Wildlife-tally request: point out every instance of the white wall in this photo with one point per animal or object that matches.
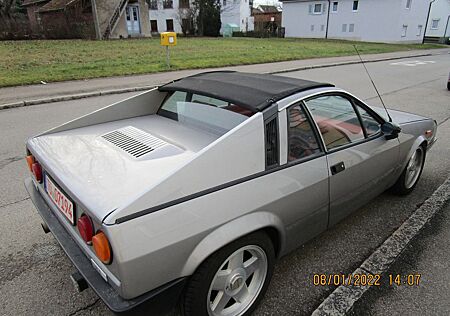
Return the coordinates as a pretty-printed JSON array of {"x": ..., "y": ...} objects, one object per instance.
[
  {"x": 375, "y": 20},
  {"x": 440, "y": 10},
  {"x": 236, "y": 11}
]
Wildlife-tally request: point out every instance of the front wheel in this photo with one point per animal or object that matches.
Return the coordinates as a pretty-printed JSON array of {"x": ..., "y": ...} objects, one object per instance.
[
  {"x": 410, "y": 176},
  {"x": 233, "y": 280}
]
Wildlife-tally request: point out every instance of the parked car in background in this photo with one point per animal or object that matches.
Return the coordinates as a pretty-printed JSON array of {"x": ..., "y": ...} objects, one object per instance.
[{"x": 190, "y": 192}]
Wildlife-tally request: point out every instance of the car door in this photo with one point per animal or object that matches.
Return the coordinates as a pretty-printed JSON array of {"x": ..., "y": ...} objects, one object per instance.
[
  {"x": 361, "y": 160},
  {"x": 302, "y": 179}
]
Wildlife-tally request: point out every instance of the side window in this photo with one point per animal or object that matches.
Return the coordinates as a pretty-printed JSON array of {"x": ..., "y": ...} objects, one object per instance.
[
  {"x": 337, "y": 120},
  {"x": 301, "y": 139},
  {"x": 371, "y": 125}
]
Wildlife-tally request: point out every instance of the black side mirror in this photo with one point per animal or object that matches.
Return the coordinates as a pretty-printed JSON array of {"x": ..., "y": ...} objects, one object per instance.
[{"x": 390, "y": 130}]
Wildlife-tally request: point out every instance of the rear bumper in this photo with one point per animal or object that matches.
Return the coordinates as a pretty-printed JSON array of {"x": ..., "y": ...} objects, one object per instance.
[{"x": 162, "y": 298}]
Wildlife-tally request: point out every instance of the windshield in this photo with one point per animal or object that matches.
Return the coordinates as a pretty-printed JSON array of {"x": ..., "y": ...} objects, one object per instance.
[{"x": 213, "y": 115}]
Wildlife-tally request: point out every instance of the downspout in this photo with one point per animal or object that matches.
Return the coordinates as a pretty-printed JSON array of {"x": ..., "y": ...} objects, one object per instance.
[
  {"x": 426, "y": 23},
  {"x": 95, "y": 18},
  {"x": 446, "y": 26},
  {"x": 328, "y": 19}
]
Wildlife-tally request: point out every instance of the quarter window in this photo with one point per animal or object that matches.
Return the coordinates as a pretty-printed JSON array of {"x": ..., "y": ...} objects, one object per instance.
[
  {"x": 371, "y": 125},
  {"x": 301, "y": 138},
  {"x": 337, "y": 120}
]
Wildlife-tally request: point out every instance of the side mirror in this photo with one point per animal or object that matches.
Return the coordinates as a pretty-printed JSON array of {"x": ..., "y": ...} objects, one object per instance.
[{"x": 390, "y": 130}]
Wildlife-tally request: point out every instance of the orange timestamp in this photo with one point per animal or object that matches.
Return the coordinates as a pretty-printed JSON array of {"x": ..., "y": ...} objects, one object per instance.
[{"x": 365, "y": 279}]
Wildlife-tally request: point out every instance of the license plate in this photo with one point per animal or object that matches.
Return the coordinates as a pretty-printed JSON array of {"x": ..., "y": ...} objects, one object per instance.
[{"x": 62, "y": 202}]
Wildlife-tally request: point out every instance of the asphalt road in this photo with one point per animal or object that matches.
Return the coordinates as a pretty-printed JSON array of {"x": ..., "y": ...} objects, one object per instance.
[{"x": 34, "y": 272}]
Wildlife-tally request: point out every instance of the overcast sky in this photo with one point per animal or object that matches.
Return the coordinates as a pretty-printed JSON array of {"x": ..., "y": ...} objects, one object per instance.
[{"x": 258, "y": 2}]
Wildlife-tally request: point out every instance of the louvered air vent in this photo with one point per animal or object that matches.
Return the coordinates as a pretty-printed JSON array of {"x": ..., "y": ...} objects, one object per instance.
[
  {"x": 272, "y": 143},
  {"x": 134, "y": 141}
]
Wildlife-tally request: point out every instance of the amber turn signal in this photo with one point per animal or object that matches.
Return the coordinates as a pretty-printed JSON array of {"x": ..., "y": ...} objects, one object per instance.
[
  {"x": 30, "y": 161},
  {"x": 101, "y": 247}
]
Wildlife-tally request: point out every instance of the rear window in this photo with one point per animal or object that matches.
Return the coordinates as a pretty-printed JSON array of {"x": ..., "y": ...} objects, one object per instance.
[{"x": 211, "y": 114}]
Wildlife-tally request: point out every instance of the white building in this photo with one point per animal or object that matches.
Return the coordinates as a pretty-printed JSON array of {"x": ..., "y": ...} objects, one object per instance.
[
  {"x": 360, "y": 20},
  {"x": 166, "y": 15},
  {"x": 438, "y": 22}
]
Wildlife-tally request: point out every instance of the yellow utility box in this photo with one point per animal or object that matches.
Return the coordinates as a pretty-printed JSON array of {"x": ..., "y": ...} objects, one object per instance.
[{"x": 168, "y": 39}]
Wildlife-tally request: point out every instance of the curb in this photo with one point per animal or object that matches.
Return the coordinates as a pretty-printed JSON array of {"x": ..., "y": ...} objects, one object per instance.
[
  {"x": 344, "y": 297},
  {"x": 142, "y": 88},
  {"x": 344, "y": 63}
]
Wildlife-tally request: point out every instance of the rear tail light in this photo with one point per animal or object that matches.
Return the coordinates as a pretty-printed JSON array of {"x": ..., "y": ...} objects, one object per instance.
[
  {"x": 86, "y": 228},
  {"x": 30, "y": 161},
  {"x": 37, "y": 171},
  {"x": 101, "y": 247}
]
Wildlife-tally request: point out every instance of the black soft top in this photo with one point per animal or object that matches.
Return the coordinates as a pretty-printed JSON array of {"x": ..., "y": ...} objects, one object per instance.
[{"x": 255, "y": 92}]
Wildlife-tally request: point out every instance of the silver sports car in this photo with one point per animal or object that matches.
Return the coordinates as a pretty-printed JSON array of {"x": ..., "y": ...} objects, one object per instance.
[{"x": 189, "y": 192}]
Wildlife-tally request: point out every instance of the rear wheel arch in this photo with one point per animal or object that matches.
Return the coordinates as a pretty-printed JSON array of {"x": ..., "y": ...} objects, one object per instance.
[{"x": 260, "y": 221}]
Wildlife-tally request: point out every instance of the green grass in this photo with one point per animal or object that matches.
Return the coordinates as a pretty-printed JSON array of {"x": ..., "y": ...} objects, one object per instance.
[{"x": 28, "y": 62}]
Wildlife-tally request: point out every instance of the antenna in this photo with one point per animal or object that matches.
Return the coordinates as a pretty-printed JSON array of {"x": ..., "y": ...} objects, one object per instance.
[{"x": 373, "y": 83}]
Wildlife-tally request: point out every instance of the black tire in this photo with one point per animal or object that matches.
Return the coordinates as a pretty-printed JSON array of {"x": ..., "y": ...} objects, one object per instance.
[
  {"x": 448, "y": 85},
  {"x": 196, "y": 295},
  {"x": 400, "y": 187}
]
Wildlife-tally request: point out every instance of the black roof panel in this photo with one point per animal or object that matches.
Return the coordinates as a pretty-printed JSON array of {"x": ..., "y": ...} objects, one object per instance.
[{"x": 255, "y": 92}]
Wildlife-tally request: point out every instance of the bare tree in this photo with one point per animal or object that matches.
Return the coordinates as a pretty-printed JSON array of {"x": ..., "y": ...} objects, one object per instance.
[{"x": 186, "y": 18}]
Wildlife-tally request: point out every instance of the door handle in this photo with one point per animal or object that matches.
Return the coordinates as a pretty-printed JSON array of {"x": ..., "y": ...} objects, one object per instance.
[{"x": 340, "y": 166}]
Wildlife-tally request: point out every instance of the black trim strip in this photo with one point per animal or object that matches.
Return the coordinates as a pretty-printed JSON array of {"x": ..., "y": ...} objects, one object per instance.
[{"x": 213, "y": 189}]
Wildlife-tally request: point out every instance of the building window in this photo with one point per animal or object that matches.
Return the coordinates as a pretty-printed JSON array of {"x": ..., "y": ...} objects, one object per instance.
[
  {"x": 224, "y": 3},
  {"x": 404, "y": 30},
  {"x": 408, "y": 4},
  {"x": 169, "y": 25},
  {"x": 434, "y": 24},
  {"x": 153, "y": 4},
  {"x": 322, "y": 27},
  {"x": 334, "y": 8},
  {"x": 312, "y": 27},
  {"x": 154, "y": 26},
  {"x": 184, "y": 4},
  {"x": 419, "y": 30},
  {"x": 168, "y": 4},
  {"x": 351, "y": 28},
  {"x": 316, "y": 8},
  {"x": 355, "y": 6},
  {"x": 344, "y": 27}
]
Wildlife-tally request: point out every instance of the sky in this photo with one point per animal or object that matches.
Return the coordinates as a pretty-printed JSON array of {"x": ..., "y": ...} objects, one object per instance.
[{"x": 258, "y": 2}]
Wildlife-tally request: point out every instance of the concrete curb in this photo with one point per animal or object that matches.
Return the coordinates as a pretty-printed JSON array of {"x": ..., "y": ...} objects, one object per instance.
[
  {"x": 142, "y": 88},
  {"x": 344, "y": 297}
]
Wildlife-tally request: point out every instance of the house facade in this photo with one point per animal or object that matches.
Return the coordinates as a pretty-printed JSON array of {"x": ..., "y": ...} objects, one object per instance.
[
  {"x": 439, "y": 20},
  {"x": 390, "y": 21},
  {"x": 101, "y": 19},
  {"x": 171, "y": 15}
]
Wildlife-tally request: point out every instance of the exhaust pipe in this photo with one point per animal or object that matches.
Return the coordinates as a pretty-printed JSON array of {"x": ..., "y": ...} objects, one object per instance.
[
  {"x": 45, "y": 228},
  {"x": 79, "y": 282}
]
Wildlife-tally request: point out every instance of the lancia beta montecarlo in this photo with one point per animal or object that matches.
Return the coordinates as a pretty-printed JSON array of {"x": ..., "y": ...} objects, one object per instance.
[{"x": 189, "y": 192}]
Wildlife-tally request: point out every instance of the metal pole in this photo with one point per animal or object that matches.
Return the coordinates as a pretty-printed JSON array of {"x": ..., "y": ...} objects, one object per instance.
[
  {"x": 168, "y": 57},
  {"x": 98, "y": 35},
  {"x": 328, "y": 18},
  {"x": 446, "y": 26},
  {"x": 426, "y": 23}
]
